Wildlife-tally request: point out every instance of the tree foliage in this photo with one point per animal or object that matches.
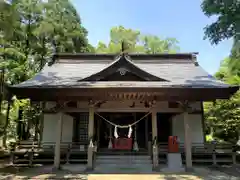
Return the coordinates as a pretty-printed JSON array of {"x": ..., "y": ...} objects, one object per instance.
[
  {"x": 30, "y": 32},
  {"x": 136, "y": 42},
  {"x": 223, "y": 116},
  {"x": 227, "y": 25},
  {"x": 234, "y": 62}
]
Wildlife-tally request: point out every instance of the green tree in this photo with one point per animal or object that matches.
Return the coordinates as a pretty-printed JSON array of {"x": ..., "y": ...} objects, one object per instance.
[
  {"x": 63, "y": 25},
  {"x": 227, "y": 24},
  {"x": 38, "y": 28},
  {"x": 235, "y": 58},
  {"x": 223, "y": 116},
  {"x": 134, "y": 41},
  {"x": 8, "y": 17},
  {"x": 153, "y": 44}
]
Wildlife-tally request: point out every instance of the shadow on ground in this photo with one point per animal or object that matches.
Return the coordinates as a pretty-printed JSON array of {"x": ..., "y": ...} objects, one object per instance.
[
  {"x": 231, "y": 170},
  {"x": 45, "y": 172}
]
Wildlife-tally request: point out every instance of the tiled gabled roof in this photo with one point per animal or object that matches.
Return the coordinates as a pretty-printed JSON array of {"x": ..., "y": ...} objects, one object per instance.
[{"x": 177, "y": 69}]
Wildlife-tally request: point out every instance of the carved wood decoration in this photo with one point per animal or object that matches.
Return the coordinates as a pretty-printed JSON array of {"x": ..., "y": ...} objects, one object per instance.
[
  {"x": 95, "y": 103},
  {"x": 60, "y": 105},
  {"x": 122, "y": 74},
  {"x": 147, "y": 104},
  {"x": 141, "y": 96},
  {"x": 133, "y": 105},
  {"x": 185, "y": 105},
  {"x": 99, "y": 103}
]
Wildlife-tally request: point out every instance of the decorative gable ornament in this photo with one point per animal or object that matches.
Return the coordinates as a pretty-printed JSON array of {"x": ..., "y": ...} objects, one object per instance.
[{"x": 122, "y": 71}]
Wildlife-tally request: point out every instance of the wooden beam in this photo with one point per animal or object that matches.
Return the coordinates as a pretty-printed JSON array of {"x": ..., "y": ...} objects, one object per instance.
[
  {"x": 168, "y": 93},
  {"x": 71, "y": 97},
  {"x": 115, "y": 109}
]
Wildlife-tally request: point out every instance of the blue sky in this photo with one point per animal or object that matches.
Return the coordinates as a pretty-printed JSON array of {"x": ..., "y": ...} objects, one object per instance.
[{"x": 182, "y": 20}]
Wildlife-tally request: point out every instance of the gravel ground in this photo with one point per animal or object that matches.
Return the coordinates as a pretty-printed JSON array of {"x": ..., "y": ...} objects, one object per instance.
[
  {"x": 45, "y": 172},
  {"x": 232, "y": 170}
]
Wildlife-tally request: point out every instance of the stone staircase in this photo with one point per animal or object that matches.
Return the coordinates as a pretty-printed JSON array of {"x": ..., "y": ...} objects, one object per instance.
[{"x": 123, "y": 164}]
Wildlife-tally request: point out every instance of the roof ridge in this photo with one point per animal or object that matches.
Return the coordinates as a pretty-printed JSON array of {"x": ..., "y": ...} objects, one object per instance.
[
  {"x": 110, "y": 55},
  {"x": 114, "y": 54},
  {"x": 134, "y": 57}
]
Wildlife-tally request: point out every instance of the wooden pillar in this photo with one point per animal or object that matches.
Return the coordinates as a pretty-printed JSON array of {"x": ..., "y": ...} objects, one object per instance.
[
  {"x": 110, "y": 142},
  {"x": 91, "y": 122},
  {"x": 135, "y": 144},
  {"x": 42, "y": 106},
  {"x": 187, "y": 141},
  {"x": 58, "y": 142},
  {"x": 99, "y": 122},
  {"x": 154, "y": 125},
  {"x": 154, "y": 139},
  {"x": 203, "y": 123},
  {"x": 90, "y": 136},
  {"x": 146, "y": 131}
]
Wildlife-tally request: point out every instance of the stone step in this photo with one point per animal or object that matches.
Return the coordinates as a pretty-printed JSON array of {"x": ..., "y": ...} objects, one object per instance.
[
  {"x": 123, "y": 160},
  {"x": 125, "y": 164},
  {"x": 126, "y": 157},
  {"x": 122, "y": 152},
  {"x": 123, "y": 169}
]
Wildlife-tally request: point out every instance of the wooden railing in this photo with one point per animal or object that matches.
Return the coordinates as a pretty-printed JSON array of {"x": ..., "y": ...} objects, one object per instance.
[
  {"x": 205, "y": 152},
  {"x": 201, "y": 147},
  {"x": 28, "y": 153}
]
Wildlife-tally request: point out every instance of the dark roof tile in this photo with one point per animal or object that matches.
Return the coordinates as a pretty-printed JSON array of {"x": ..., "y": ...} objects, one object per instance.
[{"x": 185, "y": 73}]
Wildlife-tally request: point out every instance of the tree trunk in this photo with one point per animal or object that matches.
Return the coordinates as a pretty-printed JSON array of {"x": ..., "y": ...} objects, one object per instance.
[
  {"x": 4, "y": 140},
  {"x": 6, "y": 126}
]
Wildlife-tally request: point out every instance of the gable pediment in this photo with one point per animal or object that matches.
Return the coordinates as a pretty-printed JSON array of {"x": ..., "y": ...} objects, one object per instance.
[
  {"x": 122, "y": 69},
  {"x": 122, "y": 74}
]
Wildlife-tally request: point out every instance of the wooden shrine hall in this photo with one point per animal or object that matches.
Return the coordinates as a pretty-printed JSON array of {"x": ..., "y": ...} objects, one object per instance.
[{"x": 123, "y": 101}]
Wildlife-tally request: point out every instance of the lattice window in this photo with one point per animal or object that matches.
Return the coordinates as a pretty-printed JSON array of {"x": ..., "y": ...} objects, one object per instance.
[{"x": 83, "y": 127}]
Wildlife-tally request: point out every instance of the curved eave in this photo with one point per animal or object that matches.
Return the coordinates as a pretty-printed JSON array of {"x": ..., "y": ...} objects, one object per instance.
[{"x": 102, "y": 93}]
